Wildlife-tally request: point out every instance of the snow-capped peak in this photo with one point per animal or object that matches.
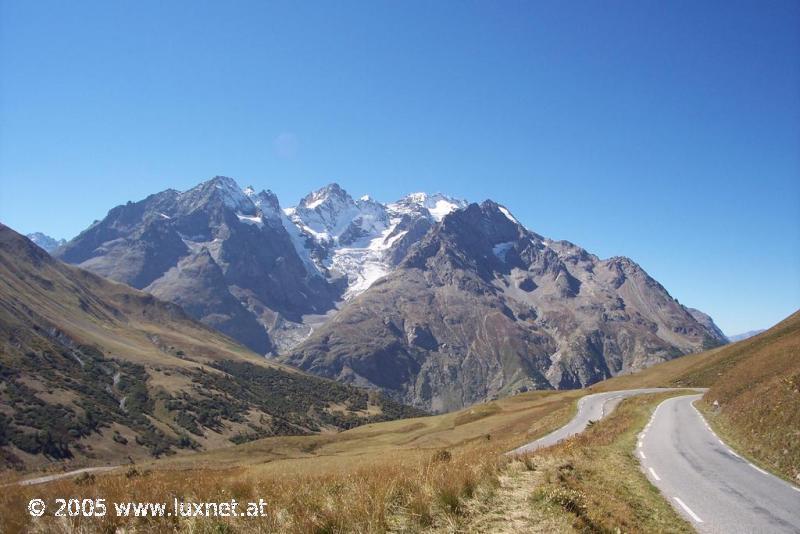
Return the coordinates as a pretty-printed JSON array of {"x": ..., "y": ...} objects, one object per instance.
[
  {"x": 267, "y": 203},
  {"x": 330, "y": 213},
  {"x": 45, "y": 241},
  {"x": 417, "y": 198},
  {"x": 437, "y": 204},
  {"x": 331, "y": 194},
  {"x": 223, "y": 189},
  {"x": 355, "y": 237}
]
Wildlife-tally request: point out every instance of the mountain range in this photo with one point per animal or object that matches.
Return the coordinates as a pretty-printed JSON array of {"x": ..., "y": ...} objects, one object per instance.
[{"x": 436, "y": 301}]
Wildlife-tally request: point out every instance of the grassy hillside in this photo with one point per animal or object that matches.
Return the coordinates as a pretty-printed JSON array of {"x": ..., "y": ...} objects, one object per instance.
[
  {"x": 754, "y": 400},
  {"x": 96, "y": 372}
]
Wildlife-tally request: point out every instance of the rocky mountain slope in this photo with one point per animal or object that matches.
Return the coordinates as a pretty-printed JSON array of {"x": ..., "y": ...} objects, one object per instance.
[
  {"x": 708, "y": 322},
  {"x": 96, "y": 371},
  {"x": 45, "y": 241},
  {"x": 482, "y": 307}
]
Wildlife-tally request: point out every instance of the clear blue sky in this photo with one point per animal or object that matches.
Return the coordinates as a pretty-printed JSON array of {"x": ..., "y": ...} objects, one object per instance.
[{"x": 665, "y": 131}]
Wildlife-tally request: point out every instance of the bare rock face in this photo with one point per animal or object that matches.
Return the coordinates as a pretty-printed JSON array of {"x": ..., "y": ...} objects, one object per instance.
[
  {"x": 481, "y": 307},
  {"x": 221, "y": 252}
]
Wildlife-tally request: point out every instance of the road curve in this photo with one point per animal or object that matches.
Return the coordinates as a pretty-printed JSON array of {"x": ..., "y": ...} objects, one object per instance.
[
  {"x": 590, "y": 408},
  {"x": 707, "y": 482},
  {"x": 50, "y": 478}
]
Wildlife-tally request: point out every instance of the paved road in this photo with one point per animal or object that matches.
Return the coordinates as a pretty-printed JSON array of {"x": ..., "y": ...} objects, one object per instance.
[
  {"x": 50, "y": 478},
  {"x": 590, "y": 408},
  {"x": 709, "y": 484}
]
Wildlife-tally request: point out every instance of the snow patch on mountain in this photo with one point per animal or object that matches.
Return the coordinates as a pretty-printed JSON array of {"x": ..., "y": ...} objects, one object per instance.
[
  {"x": 436, "y": 205},
  {"x": 299, "y": 242},
  {"x": 501, "y": 249},
  {"x": 251, "y": 219},
  {"x": 365, "y": 261},
  {"x": 232, "y": 196},
  {"x": 508, "y": 215}
]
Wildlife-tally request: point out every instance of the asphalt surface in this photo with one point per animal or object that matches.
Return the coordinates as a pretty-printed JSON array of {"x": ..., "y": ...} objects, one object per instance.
[
  {"x": 590, "y": 408},
  {"x": 708, "y": 483}
]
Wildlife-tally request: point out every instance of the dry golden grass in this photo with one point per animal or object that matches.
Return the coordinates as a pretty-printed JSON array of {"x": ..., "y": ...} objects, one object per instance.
[
  {"x": 401, "y": 493},
  {"x": 394, "y": 476},
  {"x": 508, "y": 509}
]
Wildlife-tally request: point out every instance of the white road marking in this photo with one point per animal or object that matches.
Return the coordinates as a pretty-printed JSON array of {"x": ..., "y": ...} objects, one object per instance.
[
  {"x": 733, "y": 453},
  {"x": 645, "y": 457},
  {"x": 758, "y": 469},
  {"x": 688, "y": 510},
  {"x": 655, "y": 476}
]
